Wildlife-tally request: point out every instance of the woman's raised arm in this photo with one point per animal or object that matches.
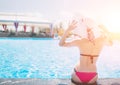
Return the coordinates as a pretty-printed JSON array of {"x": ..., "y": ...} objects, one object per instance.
[{"x": 63, "y": 39}]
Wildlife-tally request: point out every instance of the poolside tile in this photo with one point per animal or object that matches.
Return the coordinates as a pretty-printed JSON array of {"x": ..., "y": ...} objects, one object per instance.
[
  {"x": 115, "y": 84},
  {"x": 35, "y": 81}
]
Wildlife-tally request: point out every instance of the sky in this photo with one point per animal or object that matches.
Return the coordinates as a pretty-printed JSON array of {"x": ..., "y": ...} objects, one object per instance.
[
  {"x": 105, "y": 11},
  {"x": 45, "y": 8}
]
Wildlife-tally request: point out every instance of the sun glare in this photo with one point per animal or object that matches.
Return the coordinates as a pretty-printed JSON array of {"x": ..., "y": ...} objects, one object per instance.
[{"x": 112, "y": 22}]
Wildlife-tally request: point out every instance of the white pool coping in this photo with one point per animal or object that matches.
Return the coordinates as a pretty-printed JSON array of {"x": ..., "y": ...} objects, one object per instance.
[{"x": 37, "y": 81}]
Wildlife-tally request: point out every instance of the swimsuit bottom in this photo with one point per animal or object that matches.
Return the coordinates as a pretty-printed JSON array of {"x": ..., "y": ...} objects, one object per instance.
[{"x": 84, "y": 77}]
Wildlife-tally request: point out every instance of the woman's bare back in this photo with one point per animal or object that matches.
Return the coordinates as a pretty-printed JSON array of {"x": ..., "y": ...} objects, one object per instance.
[{"x": 89, "y": 53}]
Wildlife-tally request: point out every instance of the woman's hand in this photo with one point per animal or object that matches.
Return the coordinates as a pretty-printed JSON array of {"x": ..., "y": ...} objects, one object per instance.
[{"x": 72, "y": 26}]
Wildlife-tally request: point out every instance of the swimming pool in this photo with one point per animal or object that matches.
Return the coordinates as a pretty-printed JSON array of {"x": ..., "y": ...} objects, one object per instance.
[{"x": 43, "y": 58}]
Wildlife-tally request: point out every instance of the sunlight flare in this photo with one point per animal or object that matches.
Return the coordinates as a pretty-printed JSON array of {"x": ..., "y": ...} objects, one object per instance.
[{"x": 112, "y": 22}]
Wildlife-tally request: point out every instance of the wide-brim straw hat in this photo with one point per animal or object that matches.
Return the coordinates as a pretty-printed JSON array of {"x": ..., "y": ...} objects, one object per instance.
[{"x": 83, "y": 24}]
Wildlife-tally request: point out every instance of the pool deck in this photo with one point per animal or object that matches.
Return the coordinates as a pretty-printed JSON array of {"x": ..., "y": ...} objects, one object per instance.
[{"x": 36, "y": 81}]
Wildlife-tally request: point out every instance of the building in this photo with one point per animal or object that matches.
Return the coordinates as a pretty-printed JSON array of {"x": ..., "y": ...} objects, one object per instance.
[{"x": 20, "y": 24}]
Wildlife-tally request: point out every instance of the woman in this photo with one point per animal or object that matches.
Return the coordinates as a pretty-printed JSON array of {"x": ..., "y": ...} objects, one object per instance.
[{"x": 90, "y": 47}]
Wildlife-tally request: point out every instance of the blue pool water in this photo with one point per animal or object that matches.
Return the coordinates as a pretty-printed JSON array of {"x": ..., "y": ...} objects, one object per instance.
[{"x": 43, "y": 58}]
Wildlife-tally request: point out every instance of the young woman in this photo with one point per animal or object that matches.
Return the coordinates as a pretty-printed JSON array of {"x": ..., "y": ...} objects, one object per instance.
[{"x": 90, "y": 47}]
